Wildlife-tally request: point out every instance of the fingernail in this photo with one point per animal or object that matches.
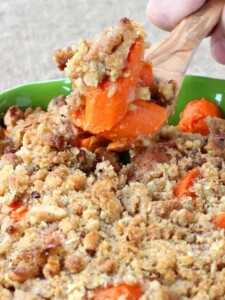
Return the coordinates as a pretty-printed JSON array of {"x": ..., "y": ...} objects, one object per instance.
[{"x": 218, "y": 50}]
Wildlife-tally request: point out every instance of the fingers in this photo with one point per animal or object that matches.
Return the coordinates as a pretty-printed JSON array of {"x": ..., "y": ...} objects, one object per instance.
[
  {"x": 218, "y": 41},
  {"x": 167, "y": 13}
]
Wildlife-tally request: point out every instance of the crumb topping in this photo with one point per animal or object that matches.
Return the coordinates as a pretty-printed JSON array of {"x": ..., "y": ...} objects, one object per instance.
[
  {"x": 71, "y": 224},
  {"x": 107, "y": 55}
]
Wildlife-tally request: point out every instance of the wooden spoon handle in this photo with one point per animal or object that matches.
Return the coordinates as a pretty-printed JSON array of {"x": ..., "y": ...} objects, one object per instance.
[{"x": 173, "y": 54}]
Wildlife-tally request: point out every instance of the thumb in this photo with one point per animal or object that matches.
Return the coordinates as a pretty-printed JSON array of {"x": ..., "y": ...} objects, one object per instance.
[
  {"x": 167, "y": 13},
  {"x": 218, "y": 40}
]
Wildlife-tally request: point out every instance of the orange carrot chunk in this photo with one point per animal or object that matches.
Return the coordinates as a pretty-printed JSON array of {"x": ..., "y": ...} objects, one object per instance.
[
  {"x": 183, "y": 187},
  {"x": 86, "y": 143},
  {"x": 107, "y": 104},
  {"x": 142, "y": 119},
  {"x": 92, "y": 143},
  {"x": 219, "y": 221},
  {"x": 128, "y": 292},
  {"x": 194, "y": 114},
  {"x": 146, "y": 75}
]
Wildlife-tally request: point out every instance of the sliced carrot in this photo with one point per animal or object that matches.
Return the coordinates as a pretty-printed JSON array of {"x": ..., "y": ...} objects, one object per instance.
[
  {"x": 142, "y": 119},
  {"x": 134, "y": 61},
  {"x": 194, "y": 114},
  {"x": 92, "y": 143},
  {"x": 17, "y": 210},
  {"x": 128, "y": 292},
  {"x": 85, "y": 143},
  {"x": 219, "y": 221},
  {"x": 104, "y": 110},
  {"x": 146, "y": 75},
  {"x": 183, "y": 187}
]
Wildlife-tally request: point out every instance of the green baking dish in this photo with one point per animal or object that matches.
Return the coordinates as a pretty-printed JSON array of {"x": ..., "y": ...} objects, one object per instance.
[{"x": 40, "y": 93}]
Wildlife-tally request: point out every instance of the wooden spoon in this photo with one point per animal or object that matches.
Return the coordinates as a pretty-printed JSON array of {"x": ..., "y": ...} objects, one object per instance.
[{"x": 171, "y": 57}]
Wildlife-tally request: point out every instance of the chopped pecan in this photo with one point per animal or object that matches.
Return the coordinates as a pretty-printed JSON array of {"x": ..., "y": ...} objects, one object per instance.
[
  {"x": 91, "y": 240},
  {"x": 11, "y": 229},
  {"x": 56, "y": 102},
  {"x": 12, "y": 116},
  {"x": 106, "y": 265},
  {"x": 61, "y": 57},
  {"x": 216, "y": 125},
  {"x": 145, "y": 161},
  {"x": 74, "y": 263},
  {"x": 216, "y": 144},
  {"x": 104, "y": 196},
  {"x": 12, "y": 159},
  {"x": 53, "y": 241},
  {"x": 183, "y": 217},
  {"x": 135, "y": 235},
  {"x": 86, "y": 166},
  {"x": 52, "y": 267},
  {"x": 165, "y": 208},
  {"x": 113, "y": 158},
  {"x": 9, "y": 147},
  {"x": 163, "y": 93},
  {"x": 47, "y": 213},
  {"x": 35, "y": 195},
  {"x": 77, "y": 181},
  {"x": 55, "y": 141},
  {"x": 23, "y": 272}
]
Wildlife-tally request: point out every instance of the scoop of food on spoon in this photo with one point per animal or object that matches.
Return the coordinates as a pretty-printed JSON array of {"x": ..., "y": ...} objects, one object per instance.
[{"x": 108, "y": 102}]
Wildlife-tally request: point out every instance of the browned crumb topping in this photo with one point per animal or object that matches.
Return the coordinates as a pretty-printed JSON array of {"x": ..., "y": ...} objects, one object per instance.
[
  {"x": 89, "y": 63},
  {"x": 91, "y": 224}
]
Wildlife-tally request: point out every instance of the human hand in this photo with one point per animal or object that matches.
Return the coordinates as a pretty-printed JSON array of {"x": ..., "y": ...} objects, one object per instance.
[{"x": 166, "y": 14}]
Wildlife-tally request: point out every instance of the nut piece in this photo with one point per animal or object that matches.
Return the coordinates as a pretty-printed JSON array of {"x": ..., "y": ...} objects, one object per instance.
[
  {"x": 47, "y": 213},
  {"x": 113, "y": 158},
  {"x": 104, "y": 196},
  {"x": 146, "y": 161},
  {"x": 52, "y": 267},
  {"x": 61, "y": 57},
  {"x": 91, "y": 240},
  {"x": 56, "y": 103},
  {"x": 74, "y": 263},
  {"x": 183, "y": 217},
  {"x": 77, "y": 181},
  {"x": 216, "y": 144},
  {"x": 13, "y": 115},
  {"x": 22, "y": 273},
  {"x": 106, "y": 266},
  {"x": 165, "y": 208}
]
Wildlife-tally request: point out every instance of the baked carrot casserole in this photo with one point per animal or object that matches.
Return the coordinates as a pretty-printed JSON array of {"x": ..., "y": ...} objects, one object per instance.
[{"x": 76, "y": 222}]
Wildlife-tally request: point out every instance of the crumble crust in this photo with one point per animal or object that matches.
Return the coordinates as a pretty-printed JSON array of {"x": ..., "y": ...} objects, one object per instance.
[
  {"x": 89, "y": 226},
  {"x": 89, "y": 63}
]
